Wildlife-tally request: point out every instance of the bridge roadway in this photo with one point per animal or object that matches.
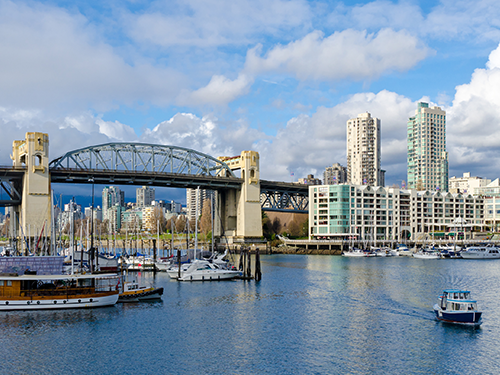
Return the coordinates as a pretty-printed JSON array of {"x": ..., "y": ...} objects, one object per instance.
[{"x": 275, "y": 196}]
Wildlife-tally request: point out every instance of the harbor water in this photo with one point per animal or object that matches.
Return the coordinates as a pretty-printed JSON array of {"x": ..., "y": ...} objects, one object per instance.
[{"x": 310, "y": 314}]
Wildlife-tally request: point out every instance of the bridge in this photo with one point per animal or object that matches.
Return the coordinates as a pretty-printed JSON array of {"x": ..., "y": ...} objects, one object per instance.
[{"x": 26, "y": 185}]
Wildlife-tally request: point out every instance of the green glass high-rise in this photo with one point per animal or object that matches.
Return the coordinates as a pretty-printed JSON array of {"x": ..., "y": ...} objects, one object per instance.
[{"x": 427, "y": 155}]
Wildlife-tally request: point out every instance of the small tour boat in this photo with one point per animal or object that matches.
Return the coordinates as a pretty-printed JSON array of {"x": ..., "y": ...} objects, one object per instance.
[
  {"x": 131, "y": 291},
  {"x": 35, "y": 292},
  {"x": 455, "y": 306}
]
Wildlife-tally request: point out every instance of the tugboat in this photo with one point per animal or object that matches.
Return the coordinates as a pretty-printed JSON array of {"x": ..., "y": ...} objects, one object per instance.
[{"x": 455, "y": 306}]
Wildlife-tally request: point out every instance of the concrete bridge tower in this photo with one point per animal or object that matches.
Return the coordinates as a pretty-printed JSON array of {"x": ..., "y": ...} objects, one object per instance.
[
  {"x": 240, "y": 210},
  {"x": 35, "y": 210}
]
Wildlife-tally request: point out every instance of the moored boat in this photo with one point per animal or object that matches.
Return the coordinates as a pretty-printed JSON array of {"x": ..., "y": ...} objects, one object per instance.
[
  {"x": 35, "y": 292},
  {"x": 426, "y": 254},
  {"x": 455, "y": 306},
  {"x": 203, "y": 270},
  {"x": 481, "y": 252},
  {"x": 132, "y": 291},
  {"x": 354, "y": 252}
]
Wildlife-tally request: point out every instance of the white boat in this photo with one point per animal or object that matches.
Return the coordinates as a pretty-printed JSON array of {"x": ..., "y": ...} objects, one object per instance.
[
  {"x": 138, "y": 263},
  {"x": 355, "y": 253},
  {"x": 203, "y": 270},
  {"x": 427, "y": 255},
  {"x": 39, "y": 292},
  {"x": 481, "y": 252},
  {"x": 105, "y": 263},
  {"x": 173, "y": 270},
  {"x": 403, "y": 250}
]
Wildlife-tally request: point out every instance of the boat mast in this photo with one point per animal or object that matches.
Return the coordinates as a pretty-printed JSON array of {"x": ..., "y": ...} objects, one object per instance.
[{"x": 196, "y": 222}]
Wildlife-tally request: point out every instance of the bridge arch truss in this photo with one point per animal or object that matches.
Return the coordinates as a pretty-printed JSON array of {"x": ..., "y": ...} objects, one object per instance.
[{"x": 142, "y": 164}]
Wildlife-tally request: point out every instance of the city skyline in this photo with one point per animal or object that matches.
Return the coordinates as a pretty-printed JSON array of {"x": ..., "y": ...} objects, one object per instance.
[{"x": 277, "y": 77}]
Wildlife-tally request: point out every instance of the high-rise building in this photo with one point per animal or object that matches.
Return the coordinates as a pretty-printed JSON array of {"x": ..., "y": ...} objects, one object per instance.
[
  {"x": 309, "y": 180},
  {"x": 111, "y": 196},
  {"x": 335, "y": 175},
  {"x": 427, "y": 156},
  {"x": 363, "y": 150},
  {"x": 144, "y": 196},
  {"x": 193, "y": 195}
]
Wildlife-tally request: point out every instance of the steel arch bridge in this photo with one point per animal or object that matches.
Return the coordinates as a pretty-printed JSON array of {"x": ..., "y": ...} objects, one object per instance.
[{"x": 142, "y": 164}]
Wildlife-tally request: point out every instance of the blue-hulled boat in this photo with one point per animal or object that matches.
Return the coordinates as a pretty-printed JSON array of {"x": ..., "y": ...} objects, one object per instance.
[{"x": 455, "y": 306}]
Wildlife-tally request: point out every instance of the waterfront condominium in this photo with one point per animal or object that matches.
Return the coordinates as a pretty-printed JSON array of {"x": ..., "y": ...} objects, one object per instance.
[
  {"x": 363, "y": 150},
  {"x": 427, "y": 156}
]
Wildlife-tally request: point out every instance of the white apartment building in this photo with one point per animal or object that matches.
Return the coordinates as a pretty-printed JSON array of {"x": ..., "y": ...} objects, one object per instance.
[
  {"x": 363, "y": 150},
  {"x": 367, "y": 212},
  {"x": 466, "y": 183},
  {"x": 144, "y": 196},
  {"x": 334, "y": 175},
  {"x": 427, "y": 157},
  {"x": 194, "y": 195}
]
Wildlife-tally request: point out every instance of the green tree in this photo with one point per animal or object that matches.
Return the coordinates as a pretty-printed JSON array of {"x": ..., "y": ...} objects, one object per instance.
[{"x": 206, "y": 217}]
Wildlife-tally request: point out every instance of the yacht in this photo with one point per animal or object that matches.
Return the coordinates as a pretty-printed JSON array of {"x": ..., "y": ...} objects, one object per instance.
[
  {"x": 204, "y": 270},
  {"x": 481, "y": 252},
  {"x": 455, "y": 306}
]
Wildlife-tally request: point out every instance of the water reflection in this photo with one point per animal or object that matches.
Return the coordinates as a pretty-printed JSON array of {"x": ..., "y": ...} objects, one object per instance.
[{"x": 309, "y": 314}]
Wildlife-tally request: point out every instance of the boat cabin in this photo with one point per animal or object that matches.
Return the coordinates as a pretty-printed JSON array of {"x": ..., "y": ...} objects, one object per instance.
[{"x": 457, "y": 300}]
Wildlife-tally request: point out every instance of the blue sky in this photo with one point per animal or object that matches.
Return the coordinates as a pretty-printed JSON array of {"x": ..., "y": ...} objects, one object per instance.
[{"x": 278, "y": 77}]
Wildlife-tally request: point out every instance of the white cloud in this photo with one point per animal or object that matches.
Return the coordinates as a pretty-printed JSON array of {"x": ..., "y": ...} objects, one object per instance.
[
  {"x": 53, "y": 59},
  {"x": 308, "y": 144},
  {"x": 474, "y": 121},
  {"x": 203, "y": 23},
  {"x": 219, "y": 91},
  {"x": 207, "y": 135},
  {"x": 447, "y": 19},
  {"x": 349, "y": 54}
]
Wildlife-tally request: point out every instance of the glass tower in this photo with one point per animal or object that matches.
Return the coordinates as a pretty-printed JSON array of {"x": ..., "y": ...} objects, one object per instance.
[{"x": 427, "y": 156}]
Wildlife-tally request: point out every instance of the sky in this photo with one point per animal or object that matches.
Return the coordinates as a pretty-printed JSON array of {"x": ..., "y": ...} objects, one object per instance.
[{"x": 274, "y": 76}]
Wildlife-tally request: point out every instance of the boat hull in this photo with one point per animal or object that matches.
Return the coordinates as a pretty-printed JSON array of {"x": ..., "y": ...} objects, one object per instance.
[
  {"x": 466, "y": 318},
  {"x": 58, "y": 302},
  {"x": 145, "y": 295},
  {"x": 216, "y": 276}
]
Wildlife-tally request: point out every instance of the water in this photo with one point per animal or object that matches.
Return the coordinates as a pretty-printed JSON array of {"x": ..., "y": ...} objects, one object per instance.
[{"x": 308, "y": 315}]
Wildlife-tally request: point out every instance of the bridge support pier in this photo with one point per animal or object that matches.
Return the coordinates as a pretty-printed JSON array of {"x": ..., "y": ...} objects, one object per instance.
[
  {"x": 35, "y": 210},
  {"x": 240, "y": 210}
]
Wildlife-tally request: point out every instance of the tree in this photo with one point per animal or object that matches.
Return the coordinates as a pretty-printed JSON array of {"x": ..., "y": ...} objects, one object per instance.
[
  {"x": 276, "y": 226},
  {"x": 158, "y": 218},
  {"x": 180, "y": 223},
  {"x": 206, "y": 217}
]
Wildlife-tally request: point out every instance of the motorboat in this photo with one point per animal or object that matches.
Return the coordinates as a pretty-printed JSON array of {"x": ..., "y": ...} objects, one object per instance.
[
  {"x": 132, "y": 291},
  {"x": 37, "y": 292},
  {"x": 481, "y": 252},
  {"x": 403, "y": 250},
  {"x": 450, "y": 251},
  {"x": 138, "y": 263},
  {"x": 204, "y": 270},
  {"x": 354, "y": 252},
  {"x": 173, "y": 270},
  {"x": 427, "y": 254},
  {"x": 456, "y": 306}
]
